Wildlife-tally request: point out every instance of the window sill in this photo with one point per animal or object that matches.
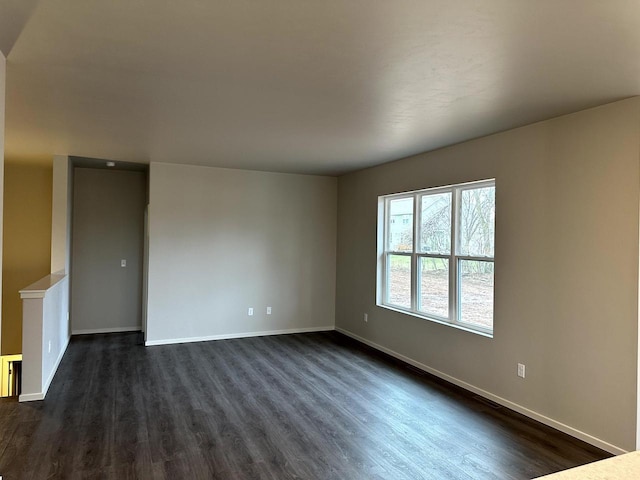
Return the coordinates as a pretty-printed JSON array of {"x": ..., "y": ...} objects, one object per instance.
[{"x": 441, "y": 322}]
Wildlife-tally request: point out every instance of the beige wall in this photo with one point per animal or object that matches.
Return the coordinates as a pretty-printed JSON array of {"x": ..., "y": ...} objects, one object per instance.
[
  {"x": 2, "y": 90},
  {"x": 61, "y": 209},
  {"x": 566, "y": 281},
  {"x": 27, "y": 240},
  {"x": 108, "y": 226},
  {"x": 224, "y": 240}
]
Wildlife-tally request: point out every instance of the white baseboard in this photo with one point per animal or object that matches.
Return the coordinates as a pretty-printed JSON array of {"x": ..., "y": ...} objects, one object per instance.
[
  {"x": 31, "y": 397},
  {"x": 106, "y": 330},
  {"x": 495, "y": 398},
  {"x": 229, "y": 336}
]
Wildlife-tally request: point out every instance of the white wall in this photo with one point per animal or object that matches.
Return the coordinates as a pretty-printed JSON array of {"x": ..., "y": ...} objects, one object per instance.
[
  {"x": 222, "y": 240},
  {"x": 56, "y": 331},
  {"x": 46, "y": 334},
  {"x": 566, "y": 275}
]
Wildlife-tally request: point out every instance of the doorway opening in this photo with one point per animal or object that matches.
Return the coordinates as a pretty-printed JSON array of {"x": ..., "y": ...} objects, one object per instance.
[{"x": 108, "y": 246}]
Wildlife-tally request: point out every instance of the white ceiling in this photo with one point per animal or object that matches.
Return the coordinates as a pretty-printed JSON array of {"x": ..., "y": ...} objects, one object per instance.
[{"x": 302, "y": 86}]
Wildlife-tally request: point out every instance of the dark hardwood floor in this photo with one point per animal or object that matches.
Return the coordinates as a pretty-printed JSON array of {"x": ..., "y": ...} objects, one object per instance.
[{"x": 309, "y": 406}]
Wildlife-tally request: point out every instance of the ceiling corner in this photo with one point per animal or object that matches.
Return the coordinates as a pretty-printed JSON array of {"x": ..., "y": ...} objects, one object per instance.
[{"x": 14, "y": 15}]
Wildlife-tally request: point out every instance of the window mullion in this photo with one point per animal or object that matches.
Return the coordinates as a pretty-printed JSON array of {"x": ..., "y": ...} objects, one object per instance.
[
  {"x": 386, "y": 277},
  {"x": 387, "y": 227},
  {"x": 453, "y": 262},
  {"x": 475, "y": 259},
  {"x": 415, "y": 305}
]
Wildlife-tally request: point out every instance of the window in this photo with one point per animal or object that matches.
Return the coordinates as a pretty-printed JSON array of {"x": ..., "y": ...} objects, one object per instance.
[{"x": 438, "y": 261}]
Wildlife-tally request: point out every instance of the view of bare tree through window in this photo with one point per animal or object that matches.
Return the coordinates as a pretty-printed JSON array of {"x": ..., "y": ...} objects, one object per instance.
[
  {"x": 477, "y": 222},
  {"x": 476, "y": 239},
  {"x": 435, "y": 228},
  {"x": 432, "y": 253},
  {"x": 435, "y": 238}
]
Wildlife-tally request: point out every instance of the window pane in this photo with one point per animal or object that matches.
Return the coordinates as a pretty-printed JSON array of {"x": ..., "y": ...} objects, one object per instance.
[
  {"x": 476, "y": 292},
  {"x": 401, "y": 225},
  {"x": 435, "y": 228},
  {"x": 399, "y": 280},
  {"x": 434, "y": 286},
  {"x": 477, "y": 221}
]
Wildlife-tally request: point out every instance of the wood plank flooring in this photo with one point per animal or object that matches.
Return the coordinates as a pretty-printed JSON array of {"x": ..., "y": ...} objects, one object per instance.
[{"x": 308, "y": 406}]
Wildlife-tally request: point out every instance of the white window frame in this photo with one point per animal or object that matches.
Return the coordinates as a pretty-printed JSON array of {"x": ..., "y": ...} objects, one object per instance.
[{"x": 384, "y": 253}]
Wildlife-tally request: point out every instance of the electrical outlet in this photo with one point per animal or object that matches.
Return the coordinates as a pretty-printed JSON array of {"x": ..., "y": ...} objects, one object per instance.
[
  {"x": 366, "y": 317},
  {"x": 123, "y": 263},
  {"x": 268, "y": 310},
  {"x": 521, "y": 370},
  {"x": 250, "y": 312}
]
